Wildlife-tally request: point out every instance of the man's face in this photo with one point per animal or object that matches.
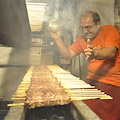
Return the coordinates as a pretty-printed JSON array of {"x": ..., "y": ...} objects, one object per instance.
[{"x": 89, "y": 28}]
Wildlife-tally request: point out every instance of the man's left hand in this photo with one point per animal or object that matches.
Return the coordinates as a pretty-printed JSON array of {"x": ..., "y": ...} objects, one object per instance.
[{"x": 89, "y": 52}]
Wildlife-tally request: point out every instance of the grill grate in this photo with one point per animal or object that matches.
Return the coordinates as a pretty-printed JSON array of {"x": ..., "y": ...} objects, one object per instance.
[{"x": 49, "y": 113}]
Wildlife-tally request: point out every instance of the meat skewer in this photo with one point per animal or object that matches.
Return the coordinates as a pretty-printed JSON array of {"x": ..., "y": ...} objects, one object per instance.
[{"x": 41, "y": 87}]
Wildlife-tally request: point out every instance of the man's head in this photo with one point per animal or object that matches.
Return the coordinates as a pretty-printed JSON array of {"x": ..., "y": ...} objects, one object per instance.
[{"x": 90, "y": 24}]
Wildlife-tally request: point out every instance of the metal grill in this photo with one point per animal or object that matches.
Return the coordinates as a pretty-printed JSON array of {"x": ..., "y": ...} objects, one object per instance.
[{"x": 49, "y": 113}]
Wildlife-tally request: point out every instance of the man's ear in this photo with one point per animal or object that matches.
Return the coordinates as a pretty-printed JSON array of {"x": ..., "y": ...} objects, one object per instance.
[{"x": 99, "y": 24}]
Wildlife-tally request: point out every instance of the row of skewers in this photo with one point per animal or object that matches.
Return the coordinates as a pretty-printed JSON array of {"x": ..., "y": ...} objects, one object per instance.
[{"x": 77, "y": 89}]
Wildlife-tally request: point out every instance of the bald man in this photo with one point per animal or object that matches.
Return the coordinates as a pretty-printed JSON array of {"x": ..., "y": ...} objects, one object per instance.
[{"x": 101, "y": 45}]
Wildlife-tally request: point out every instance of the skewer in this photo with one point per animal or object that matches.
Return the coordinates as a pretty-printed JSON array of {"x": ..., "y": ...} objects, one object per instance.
[
  {"x": 77, "y": 86},
  {"x": 22, "y": 88},
  {"x": 75, "y": 98},
  {"x": 82, "y": 90},
  {"x": 88, "y": 95},
  {"x": 61, "y": 72},
  {"x": 74, "y": 83},
  {"x": 19, "y": 95},
  {"x": 71, "y": 80},
  {"x": 16, "y": 104},
  {"x": 18, "y": 98},
  {"x": 25, "y": 82},
  {"x": 82, "y": 98},
  {"x": 77, "y": 89},
  {"x": 106, "y": 97},
  {"x": 66, "y": 77}
]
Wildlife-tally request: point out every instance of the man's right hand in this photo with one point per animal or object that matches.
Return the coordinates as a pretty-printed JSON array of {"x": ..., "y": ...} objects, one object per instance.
[{"x": 56, "y": 35}]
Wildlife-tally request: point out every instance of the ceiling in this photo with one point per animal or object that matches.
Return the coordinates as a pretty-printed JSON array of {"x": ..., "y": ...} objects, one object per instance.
[{"x": 36, "y": 10}]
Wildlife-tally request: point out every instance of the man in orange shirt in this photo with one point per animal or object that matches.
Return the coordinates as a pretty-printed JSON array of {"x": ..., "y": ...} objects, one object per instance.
[{"x": 101, "y": 45}]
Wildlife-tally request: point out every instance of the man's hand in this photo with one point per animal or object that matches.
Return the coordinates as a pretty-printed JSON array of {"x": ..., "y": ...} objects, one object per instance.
[
  {"x": 64, "y": 50},
  {"x": 56, "y": 35},
  {"x": 89, "y": 52}
]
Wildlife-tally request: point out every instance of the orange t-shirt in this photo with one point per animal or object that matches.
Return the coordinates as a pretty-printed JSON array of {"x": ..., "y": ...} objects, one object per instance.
[{"x": 107, "y": 71}]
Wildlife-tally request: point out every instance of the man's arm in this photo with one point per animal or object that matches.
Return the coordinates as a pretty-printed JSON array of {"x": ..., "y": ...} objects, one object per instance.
[
  {"x": 105, "y": 53},
  {"x": 100, "y": 54},
  {"x": 64, "y": 50}
]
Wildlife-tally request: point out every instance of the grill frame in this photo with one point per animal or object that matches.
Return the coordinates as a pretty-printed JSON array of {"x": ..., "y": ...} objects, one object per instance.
[{"x": 20, "y": 112}]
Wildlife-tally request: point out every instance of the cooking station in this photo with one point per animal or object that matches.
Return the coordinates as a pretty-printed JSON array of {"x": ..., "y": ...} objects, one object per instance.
[
  {"x": 73, "y": 110},
  {"x": 25, "y": 42}
]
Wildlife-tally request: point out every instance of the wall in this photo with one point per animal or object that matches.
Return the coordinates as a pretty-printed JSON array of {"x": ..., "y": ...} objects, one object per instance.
[
  {"x": 117, "y": 14},
  {"x": 14, "y": 24},
  {"x": 14, "y": 39}
]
